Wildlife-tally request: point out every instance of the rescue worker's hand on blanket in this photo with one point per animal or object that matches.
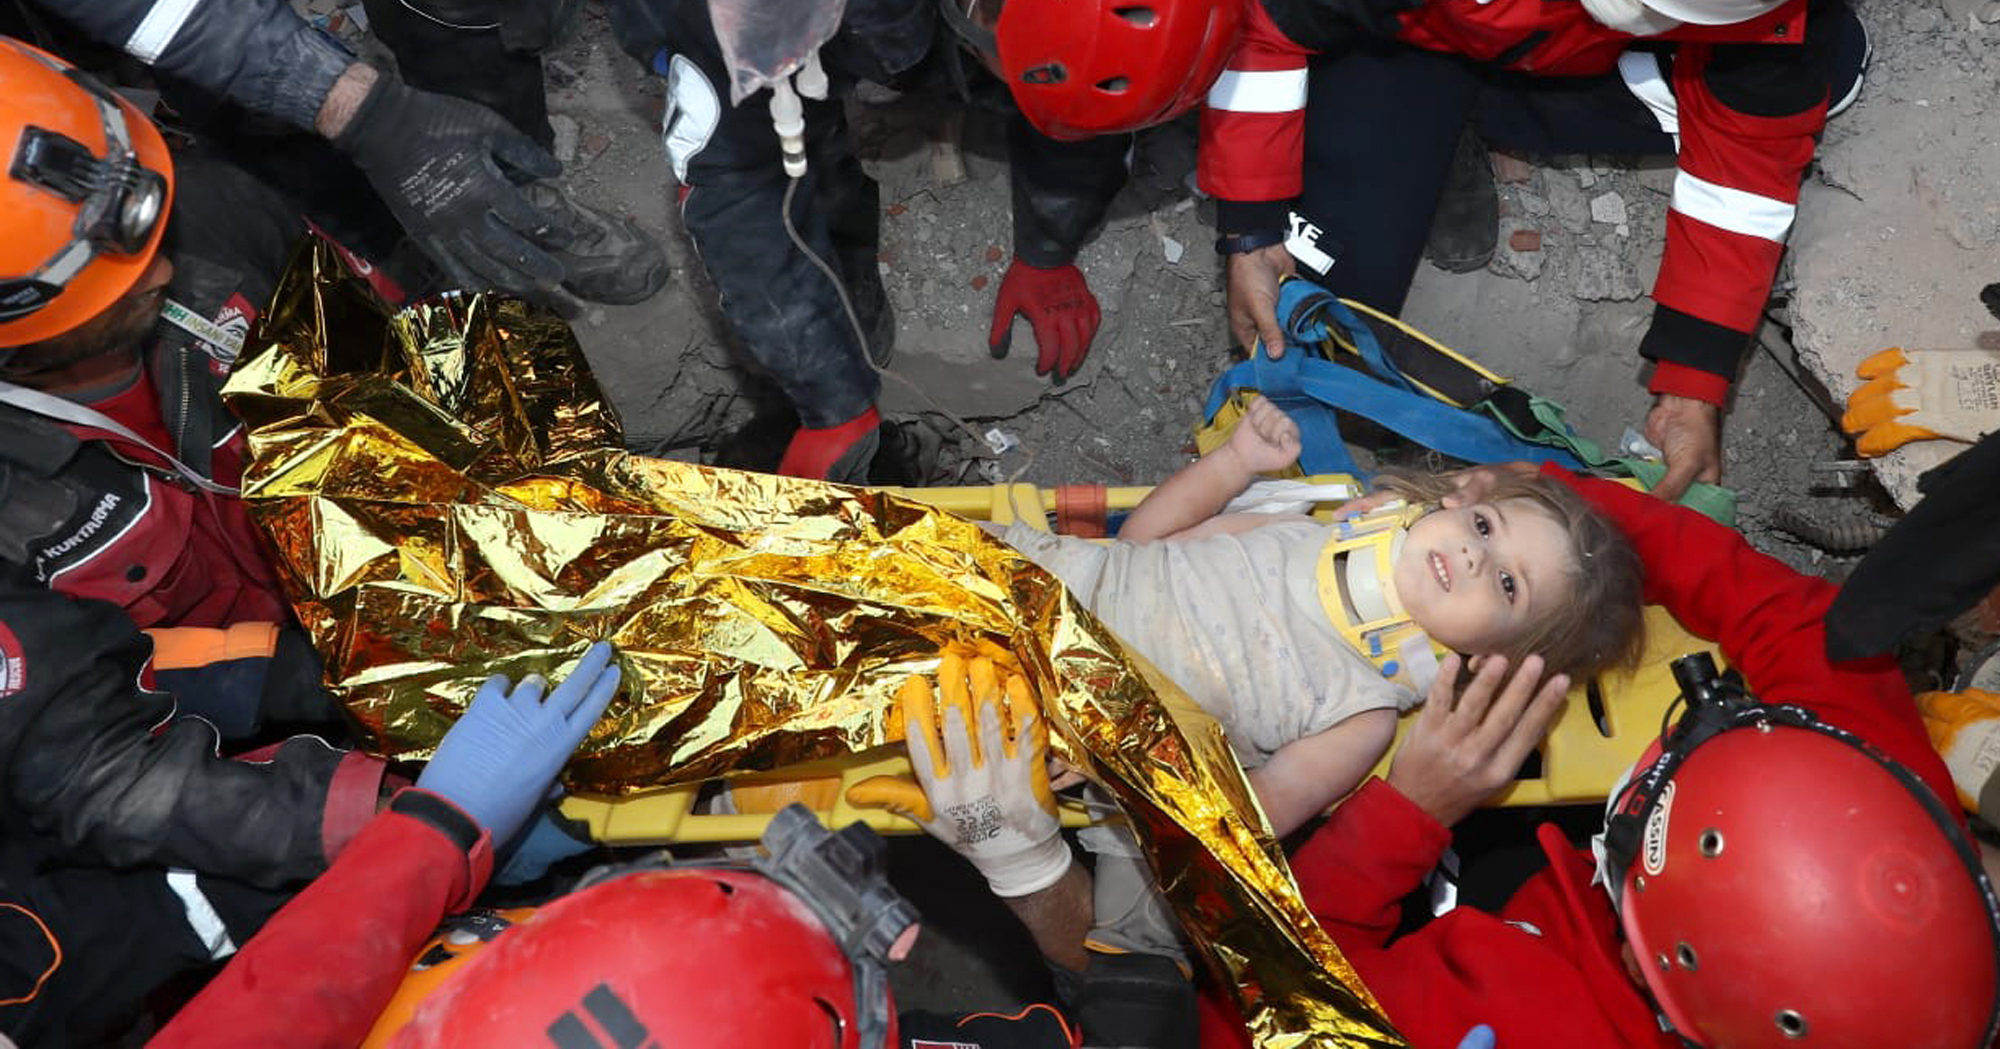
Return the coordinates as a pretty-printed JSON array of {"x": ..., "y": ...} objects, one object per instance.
[
  {"x": 979, "y": 748},
  {"x": 1464, "y": 746},
  {"x": 500, "y": 758}
]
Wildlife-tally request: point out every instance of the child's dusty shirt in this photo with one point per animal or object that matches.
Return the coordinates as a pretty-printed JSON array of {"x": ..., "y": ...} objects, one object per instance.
[{"x": 1235, "y": 620}]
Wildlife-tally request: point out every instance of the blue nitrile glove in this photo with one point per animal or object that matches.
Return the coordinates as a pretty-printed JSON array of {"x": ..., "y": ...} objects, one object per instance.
[
  {"x": 1480, "y": 1037},
  {"x": 548, "y": 841},
  {"x": 497, "y": 763}
]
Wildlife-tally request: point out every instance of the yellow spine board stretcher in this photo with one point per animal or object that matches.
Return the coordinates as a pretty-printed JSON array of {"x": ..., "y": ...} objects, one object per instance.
[{"x": 1600, "y": 733}]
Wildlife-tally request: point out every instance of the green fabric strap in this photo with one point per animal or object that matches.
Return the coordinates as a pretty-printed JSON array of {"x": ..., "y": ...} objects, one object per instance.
[{"x": 1710, "y": 500}]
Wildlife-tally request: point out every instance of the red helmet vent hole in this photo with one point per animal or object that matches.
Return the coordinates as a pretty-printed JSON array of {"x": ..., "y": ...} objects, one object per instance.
[
  {"x": 1140, "y": 17},
  {"x": 1114, "y": 85},
  {"x": 1791, "y": 1024}
]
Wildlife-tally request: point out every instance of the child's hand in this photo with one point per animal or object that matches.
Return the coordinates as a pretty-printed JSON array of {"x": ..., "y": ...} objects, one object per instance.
[{"x": 1265, "y": 439}]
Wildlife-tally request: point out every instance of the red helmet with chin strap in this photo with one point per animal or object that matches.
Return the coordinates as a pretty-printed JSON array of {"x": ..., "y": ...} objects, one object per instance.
[
  {"x": 1080, "y": 68},
  {"x": 1783, "y": 883}
]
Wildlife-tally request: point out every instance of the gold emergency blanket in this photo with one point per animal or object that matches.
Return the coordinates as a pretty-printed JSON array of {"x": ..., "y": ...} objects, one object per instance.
[{"x": 449, "y": 498}]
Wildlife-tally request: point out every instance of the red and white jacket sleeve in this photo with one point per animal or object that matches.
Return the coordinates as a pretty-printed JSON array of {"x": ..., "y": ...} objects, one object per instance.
[
  {"x": 1253, "y": 130},
  {"x": 1735, "y": 196},
  {"x": 321, "y": 971}
]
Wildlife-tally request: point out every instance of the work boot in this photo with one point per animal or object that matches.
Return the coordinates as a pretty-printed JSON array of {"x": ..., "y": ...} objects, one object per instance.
[
  {"x": 1466, "y": 226},
  {"x": 1129, "y": 1001},
  {"x": 608, "y": 259}
]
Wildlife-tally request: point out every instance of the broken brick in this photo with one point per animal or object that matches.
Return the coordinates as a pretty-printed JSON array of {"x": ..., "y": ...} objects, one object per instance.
[
  {"x": 993, "y": 253},
  {"x": 1525, "y": 240},
  {"x": 979, "y": 283},
  {"x": 896, "y": 209},
  {"x": 1510, "y": 168}
]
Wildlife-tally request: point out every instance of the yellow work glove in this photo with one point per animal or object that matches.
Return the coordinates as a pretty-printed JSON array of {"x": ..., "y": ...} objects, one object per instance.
[
  {"x": 979, "y": 750},
  {"x": 1915, "y": 395}
]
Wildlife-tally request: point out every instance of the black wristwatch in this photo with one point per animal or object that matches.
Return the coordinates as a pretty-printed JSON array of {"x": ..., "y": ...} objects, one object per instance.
[{"x": 1239, "y": 243}]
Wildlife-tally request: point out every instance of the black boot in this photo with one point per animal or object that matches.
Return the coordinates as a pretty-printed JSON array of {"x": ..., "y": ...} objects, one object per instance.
[
  {"x": 1466, "y": 226},
  {"x": 606, "y": 258}
]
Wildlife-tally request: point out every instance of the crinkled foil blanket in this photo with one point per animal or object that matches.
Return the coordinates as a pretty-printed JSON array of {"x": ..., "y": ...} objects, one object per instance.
[{"x": 449, "y": 497}]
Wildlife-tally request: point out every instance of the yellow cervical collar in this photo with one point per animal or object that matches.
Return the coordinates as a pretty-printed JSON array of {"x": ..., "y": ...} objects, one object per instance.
[{"x": 1356, "y": 572}]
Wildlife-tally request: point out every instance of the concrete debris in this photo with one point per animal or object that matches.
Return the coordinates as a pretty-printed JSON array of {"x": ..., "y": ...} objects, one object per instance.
[
  {"x": 1172, "y": 249},
  {"x": 1602, "y": 275},
  {"x": 1608, "y": 208},
  {"x": 1568, "y": 202},
  {"x": 566, "y": 130},
  {"x": 1519, "y": 253}
]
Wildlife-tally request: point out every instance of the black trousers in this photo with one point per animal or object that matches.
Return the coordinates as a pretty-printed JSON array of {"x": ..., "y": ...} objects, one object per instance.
[
  {"x": 1382, "y": 120},
  {"x": 456, "y": 48}
]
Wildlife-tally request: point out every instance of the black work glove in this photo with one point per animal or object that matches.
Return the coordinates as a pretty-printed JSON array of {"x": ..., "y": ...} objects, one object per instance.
[{"x": 448, "y": 170}]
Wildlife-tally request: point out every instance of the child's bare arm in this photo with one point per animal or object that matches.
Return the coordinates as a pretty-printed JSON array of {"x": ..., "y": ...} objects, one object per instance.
[
  {"x": 1266, "y": 439},
  {"x": 1305, "y": 777}
]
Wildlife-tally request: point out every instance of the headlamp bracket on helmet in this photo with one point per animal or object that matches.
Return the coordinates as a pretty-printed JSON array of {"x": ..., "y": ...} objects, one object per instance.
[
  {"x": 120, "y": 201},
  {"x": 119, "y": 198}
]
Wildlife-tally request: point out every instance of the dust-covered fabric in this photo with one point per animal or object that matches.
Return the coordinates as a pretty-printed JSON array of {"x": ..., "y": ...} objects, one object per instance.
[{"x": 1235, "y": 620}]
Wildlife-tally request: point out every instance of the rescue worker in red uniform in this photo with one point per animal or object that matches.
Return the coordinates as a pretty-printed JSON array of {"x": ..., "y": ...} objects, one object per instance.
[{"x": 1349, "y": 110}]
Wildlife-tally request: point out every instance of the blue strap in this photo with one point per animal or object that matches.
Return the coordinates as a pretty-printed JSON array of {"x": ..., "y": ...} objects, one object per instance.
[
  {"x": 1309, "y": 389},
  {"x": 1306, "y": 307}
]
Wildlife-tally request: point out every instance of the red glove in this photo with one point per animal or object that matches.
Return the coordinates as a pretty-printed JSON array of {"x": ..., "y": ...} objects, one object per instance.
[{"x": 1061, "y": 308}]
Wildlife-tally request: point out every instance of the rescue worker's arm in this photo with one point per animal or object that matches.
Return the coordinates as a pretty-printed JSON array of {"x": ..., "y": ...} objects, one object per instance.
[
  {"x": 1265, "y": 440},
  {"x": 1768, "y": 619},
  {"x": 257, "y": 53},
  {"x": 1749, "y": 116},
  {"x": 94, "y": 759},
  {"x": 1061, "y": 191},
  {"x": 321, "y": 970},
  {"x": 1252, "y": 157},
  {"x": 442, "y": 164}
]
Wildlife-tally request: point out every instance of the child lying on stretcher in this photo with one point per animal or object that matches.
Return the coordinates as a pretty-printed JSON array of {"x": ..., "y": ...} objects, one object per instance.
[{"x": 1255, "y": 615}]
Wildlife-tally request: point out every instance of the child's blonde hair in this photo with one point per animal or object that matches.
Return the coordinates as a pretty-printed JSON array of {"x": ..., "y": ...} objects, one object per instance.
[{"x": 1599, "y": 625}]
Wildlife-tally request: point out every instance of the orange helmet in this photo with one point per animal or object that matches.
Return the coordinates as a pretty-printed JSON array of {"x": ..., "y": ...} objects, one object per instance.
[
  {"x": 1081, "y": 68},
  {"x": 1781, "y": 882},
  {"x": 84, "y": 204}
]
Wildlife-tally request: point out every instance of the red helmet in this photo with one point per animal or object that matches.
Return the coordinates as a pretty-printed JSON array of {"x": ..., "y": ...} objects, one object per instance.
[
  {"x": 791, "y": 954},
  {"x": 85, "y": 186},
  {"x": 1080, "y": 68},
  {"x": 1785, "y": 884}
]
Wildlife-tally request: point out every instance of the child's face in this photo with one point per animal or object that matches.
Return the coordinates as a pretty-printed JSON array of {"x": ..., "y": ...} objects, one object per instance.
[{"x": 1476, "y": 577}]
